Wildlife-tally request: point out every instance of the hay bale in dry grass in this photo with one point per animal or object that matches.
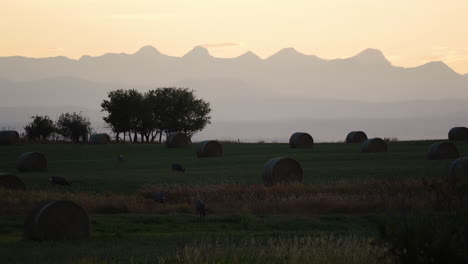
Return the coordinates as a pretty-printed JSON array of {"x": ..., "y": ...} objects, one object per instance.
[
  {"x": 442, "y": 151},
  {"x": 374, "y": 145},
  {"x": 301, "y": 140},
  {"x": 210, "y": 148},
  {"x": 177, "y": 140},
  {"x": 31, "y": 161},
  {"x": 100, "y": 139},
  {"x": 356, "y": 137},
  {"x": 11, "y": 182},
  {"x": 282, "y": 170},
  {"x": 9, "y": 138},
  {"x": 57, "y": 220},
  {"x": 458, "y": 171},
  {"x": 458, "y": 133}
]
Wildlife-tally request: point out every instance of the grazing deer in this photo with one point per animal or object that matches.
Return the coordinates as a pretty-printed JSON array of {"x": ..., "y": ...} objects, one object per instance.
[
  {"x": 59, "y": 181},
  {"x": 201, "y": 208},
  {"x": 120, "y": 158},
  {"x": 159, "y": 197},
  {"x": 177, "y": 167}
]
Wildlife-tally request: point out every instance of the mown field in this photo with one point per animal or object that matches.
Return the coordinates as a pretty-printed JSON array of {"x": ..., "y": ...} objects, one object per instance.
[{"x": 329, "y": 219}]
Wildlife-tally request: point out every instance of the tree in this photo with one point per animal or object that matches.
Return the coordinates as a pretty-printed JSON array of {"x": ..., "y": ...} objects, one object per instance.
[
  {"x": 163, "y": 110},
  {"x": 145, "y": 124},
  {"x": 178, "y": 110},
  {"x": 42, "y": 127},
  {"x": 128, "y": 113},
  {"x": 74, "y": 126},
  {"x": 118, "y": 115}
]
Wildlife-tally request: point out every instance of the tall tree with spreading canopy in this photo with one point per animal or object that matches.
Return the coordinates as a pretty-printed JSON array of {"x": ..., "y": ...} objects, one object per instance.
[
  {"x": 159, "y": 111},
  {"x": 74, "y": 126},
  {"x": 178, "y": 110},
  {"x": 128, "y": 114}
]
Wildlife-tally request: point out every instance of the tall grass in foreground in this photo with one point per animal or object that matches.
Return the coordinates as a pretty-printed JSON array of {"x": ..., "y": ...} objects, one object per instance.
[{"x": 308, "y": 249}]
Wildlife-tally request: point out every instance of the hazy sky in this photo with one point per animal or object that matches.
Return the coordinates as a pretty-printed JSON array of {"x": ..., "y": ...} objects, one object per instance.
[{"x": 409, "y": 32}]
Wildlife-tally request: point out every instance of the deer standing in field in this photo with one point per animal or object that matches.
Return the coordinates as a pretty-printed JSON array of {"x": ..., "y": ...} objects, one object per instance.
[
  {"x": 177, "y": 167},
  {"x": 120, "y": 159},
  {"x": 159, "y": 197},
  {"x": 59, "y": 181},
  {"x": 201, "y": 208}
]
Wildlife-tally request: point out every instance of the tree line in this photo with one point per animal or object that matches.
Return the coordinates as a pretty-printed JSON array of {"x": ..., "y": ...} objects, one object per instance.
[
  {"x": 71, "y": 126},
  {"x": 132, "y": 116}
]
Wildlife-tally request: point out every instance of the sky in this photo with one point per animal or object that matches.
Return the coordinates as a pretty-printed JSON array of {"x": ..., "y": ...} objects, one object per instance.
[{"x": 409, "y": 33}]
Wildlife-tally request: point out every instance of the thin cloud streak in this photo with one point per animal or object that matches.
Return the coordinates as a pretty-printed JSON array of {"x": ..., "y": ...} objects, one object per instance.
[{"x": 136, "y": 16}]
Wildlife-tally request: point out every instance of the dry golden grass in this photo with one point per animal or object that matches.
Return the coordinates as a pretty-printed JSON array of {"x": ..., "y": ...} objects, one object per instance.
[{"x": 299, "y": 198}]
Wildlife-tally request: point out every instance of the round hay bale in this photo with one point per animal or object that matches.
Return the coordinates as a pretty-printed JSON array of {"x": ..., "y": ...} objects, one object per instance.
[
  {"x": 100, "y": 139},
  {"x": 458, "y": 133},
  {"x": 374, "y": 145},
  {"x": 282, "y": 170},
  {"x": 442, "y": 151},
  {"x": 57, "y": 220},
  {"x": 301, "y": 140},
  {"x": 177, "y": 140},
  {"x": 31, "y": 161},
  {"x": 356, "y": 137},
  {"x": 458, "y": 171},
  {"x": 210, "y": 148},
  {"x": 11, "y": 182},
  {"x": 9, "y": 138}
]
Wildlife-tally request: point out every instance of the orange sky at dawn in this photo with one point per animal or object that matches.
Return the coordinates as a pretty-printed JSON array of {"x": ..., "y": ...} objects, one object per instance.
[{"x": 409, "y": 33}]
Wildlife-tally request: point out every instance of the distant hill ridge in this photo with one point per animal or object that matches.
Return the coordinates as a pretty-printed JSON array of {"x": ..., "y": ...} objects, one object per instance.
[
  {"x": 369, "y": 55},
  {"x": 367, "y": 76}
]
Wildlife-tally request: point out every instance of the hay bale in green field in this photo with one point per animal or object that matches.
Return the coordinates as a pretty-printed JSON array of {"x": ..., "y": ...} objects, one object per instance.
[
  {"x": 100, "y": 139},
  {"x": 31, "y": 161},
  {"x": 374, "y": 145},
  {"x": 177, "y": 140},
  {"x": 356, "y": 137},
  {"x": 458, "y": 171},
  {"x": 458, "y": 133},
  {"x": 57, "y": 220},
  {"x": 282, "y": 170},
  {"x": 9, "y": 137},
  {"x": 442, "y": 151},
  {"x": 301, "y": 140},
  {"x": 11, "y": 182},
  {"x": 209, "y": 149}
]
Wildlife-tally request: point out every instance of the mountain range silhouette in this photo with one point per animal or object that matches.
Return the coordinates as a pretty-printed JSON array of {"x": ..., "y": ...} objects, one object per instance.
[{"x": 286, "y": 85}]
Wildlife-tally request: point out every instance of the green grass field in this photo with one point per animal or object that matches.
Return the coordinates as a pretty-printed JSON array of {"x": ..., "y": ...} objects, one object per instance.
[
  {"x": 224, "y": 236},
  {"x": 94, "y": 168}
]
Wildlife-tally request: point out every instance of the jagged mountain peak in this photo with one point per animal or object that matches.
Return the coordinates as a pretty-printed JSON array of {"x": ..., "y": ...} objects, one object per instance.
[
  {"x": 287, "y": 52},
  {"x": 198, "y": 52},
  {"x": 249, "y": 55},
  {"x": 291, "y": 55},
  {"x": 147, "y": 51},
  {"x": 371, "y": 56},
  {"x": 437, "y": 66}
]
